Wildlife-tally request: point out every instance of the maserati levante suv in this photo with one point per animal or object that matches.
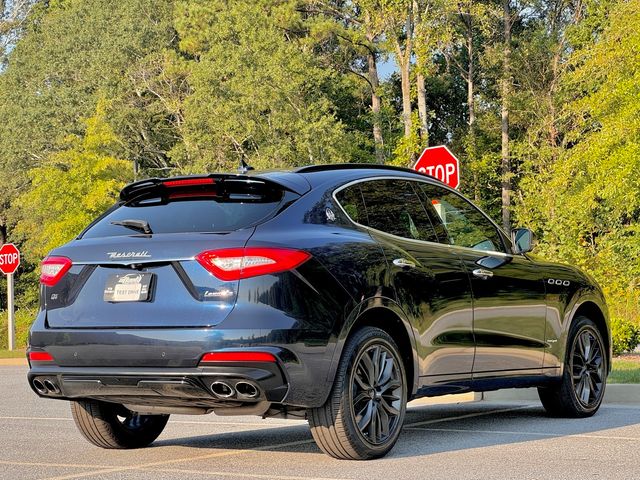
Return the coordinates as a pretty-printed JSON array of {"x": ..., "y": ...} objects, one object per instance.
[{"x": 334, "y": 293}]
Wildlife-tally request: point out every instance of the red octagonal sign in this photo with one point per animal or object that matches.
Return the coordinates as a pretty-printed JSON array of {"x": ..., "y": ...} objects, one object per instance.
[
  {"x": 9, "y": 258},
  {"x": 440, "y": 163}
]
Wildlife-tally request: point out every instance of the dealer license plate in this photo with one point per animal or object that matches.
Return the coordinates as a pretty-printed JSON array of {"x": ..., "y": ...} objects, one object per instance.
[{"x": 129, "y": 287}]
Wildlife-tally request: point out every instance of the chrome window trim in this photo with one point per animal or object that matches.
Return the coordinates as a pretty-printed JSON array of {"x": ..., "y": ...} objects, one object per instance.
[{"x": 445, "y": 187}]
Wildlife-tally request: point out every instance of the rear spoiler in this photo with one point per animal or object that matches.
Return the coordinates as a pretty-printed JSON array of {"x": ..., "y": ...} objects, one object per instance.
[{"x": 284, "y": 180}]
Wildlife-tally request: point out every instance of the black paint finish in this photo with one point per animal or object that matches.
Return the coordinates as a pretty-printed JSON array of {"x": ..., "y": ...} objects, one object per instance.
[{"x": 457, "y": 331}]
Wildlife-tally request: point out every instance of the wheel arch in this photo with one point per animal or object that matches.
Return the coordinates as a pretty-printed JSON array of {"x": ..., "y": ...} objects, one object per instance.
[
  {"x": 385, "y": 314},
  {"x": 594, "y": 312}
]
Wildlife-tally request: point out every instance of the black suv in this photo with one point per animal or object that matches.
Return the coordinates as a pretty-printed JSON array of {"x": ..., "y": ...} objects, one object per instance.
[{"x": 333, "y": 293}]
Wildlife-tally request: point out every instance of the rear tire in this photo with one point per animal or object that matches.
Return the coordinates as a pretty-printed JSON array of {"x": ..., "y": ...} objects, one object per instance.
[
  {"x": 363, "y": 415},
  {"x": 581, "y": 390},
  {"x": 109, "y": 425}
]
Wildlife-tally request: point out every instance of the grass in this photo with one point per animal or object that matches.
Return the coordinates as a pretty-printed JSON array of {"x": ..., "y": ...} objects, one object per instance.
[
  {"x": 12, "y": 353},
  {"x": 626, "y": 369}
]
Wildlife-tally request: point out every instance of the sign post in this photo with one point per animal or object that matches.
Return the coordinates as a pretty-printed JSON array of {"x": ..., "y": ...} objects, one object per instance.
[
  {"x": 440, "y": 163},
  {"x": 9, "y": 262}
]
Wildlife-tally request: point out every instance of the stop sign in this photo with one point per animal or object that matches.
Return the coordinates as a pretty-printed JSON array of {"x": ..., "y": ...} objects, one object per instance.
[
  {"x": 440, "y": 163},
  {"x": 9, "y": 258}
]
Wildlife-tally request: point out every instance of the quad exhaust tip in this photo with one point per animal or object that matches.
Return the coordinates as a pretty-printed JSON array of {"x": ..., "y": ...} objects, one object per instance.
[
  {"x": 45, "y": 387},
  {"x": 246, "y": 389},
  {"x": 222, "y": 390},
  {"x": 39, "y": 386},
  {"x": 51, "y": 387}
]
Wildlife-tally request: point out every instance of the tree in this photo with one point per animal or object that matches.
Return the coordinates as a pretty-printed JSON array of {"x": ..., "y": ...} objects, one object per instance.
[
  {"x": 71, "y": 53},
  {"x": 259, "y": 93},
  {"x": 588, "y": 214},
  {"x": 76, "y": 185}
]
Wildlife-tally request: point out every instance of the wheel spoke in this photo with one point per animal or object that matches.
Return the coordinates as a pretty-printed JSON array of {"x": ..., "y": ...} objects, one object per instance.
[
  {"x": 384, "y": 420},
  {"x": 586, "y": 390},
  {"x": 364, "y": 417},
  {"x": 375, "y": 360},
  {"x": 373, "y": 424},
  {"x": 586, "y": 346},
  {"x": 386, "y": 371},
  {"x": 389, "y": 408},
  {"x": 380, "y": 365},
  {"x": 362, "y": 382},
  {"x": 369, "y": 369},
  {"x": 361, "y": 396}
]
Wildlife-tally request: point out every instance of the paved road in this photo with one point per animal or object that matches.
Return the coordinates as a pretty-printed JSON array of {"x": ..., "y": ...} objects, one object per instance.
[{"x": 482, "y": 440}]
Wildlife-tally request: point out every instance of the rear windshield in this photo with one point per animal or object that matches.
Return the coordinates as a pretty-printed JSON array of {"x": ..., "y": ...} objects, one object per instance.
[{"x": 215, "y": 208}]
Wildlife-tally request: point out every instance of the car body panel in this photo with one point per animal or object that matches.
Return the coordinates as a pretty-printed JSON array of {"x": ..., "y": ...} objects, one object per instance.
[{"x": 306, "y": 315}]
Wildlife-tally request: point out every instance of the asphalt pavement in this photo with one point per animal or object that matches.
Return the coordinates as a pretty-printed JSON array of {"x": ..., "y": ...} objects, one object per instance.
[{"x": 477, "y": 440}]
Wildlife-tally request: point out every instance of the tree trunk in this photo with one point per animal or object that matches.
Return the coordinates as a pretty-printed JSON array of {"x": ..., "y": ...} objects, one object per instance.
[
  {"x": 471, "y": 106},
  {"x": 376, "y": 103},
  {"x": 3, "y": 234},
  {"x": 422, "y": 109},
  {"x": 406, "y": 97},
  {"x": 506, "y": 93}
]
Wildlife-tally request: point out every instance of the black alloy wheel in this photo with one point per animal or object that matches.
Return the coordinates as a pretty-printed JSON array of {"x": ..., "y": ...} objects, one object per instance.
[
  {"x": 376, "y": 390},
  {"x": 587, "y": 366},
  {"x": 582, "y": 386},
  {"x": 363, "y": 416}
]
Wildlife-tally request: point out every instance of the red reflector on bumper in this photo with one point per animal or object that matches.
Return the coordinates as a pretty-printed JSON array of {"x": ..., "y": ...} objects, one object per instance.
[
  {"x": 40, "y": 357},
  {"x": 238, "y": 357}
]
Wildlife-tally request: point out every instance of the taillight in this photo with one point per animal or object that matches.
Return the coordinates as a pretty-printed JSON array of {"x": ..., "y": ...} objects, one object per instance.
[
  {"x": 237, "y": 263},
  {"x": 53, "y": 269},
  {"x": 40, "y": 357},
  {"x": 237, "y": 357}
]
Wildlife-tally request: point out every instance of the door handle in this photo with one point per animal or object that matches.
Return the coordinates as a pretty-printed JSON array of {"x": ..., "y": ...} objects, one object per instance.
[
  {"x": 404, "y": 263},
  {"x": 482, "y": 273}
]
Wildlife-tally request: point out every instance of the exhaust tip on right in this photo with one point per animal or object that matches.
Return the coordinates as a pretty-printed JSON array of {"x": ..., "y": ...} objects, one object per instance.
[{"x": 247, "y": 389}]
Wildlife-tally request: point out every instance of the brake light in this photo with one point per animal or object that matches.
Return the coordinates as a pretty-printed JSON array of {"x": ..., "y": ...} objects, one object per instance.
[
  {"x": 53, "y": 269},
  {"x": 188, "y": 182},
  {"x": 40, "y": 357},
  {"x": 237, "y": 263},
  {"x": 238, "y": 357}
]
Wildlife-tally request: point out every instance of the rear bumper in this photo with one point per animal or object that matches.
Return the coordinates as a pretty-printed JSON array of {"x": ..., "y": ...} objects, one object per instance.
[
  {"x": 161, "y": 366},
  {"x": 163, "y": 387}
]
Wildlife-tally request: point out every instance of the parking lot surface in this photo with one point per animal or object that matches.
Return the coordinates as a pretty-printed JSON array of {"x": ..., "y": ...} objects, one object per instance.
[{"x": 480, "y": 440}]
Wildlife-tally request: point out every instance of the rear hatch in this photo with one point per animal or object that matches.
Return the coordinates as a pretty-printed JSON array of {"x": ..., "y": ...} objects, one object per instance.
[{"x": 141, "y": 266}]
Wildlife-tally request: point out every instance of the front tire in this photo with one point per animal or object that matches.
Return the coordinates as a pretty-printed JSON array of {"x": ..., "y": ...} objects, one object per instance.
[
  {"x": 584, "y": 379},
  {"x": 108, "y": 425},
  {"x": 363, "y": 415}
]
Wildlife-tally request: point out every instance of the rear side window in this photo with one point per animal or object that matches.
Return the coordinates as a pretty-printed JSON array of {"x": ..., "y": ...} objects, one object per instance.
[
  {"x": 394, "y": 207},
  {"x": 351, "y": 201},
  {"x": 224, "y": 207},
  {"x": 467, "y": 226}
]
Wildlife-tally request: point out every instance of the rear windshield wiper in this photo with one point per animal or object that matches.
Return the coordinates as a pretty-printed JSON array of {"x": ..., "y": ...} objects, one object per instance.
[{"x": 139, "y": 225}]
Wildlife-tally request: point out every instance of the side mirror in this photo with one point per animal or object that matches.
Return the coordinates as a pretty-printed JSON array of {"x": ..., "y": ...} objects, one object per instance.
[{"x": 522, "y": 240}]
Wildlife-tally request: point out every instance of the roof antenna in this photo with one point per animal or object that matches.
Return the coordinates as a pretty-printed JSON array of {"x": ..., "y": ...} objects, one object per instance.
[{"x": 244, "y": 167}]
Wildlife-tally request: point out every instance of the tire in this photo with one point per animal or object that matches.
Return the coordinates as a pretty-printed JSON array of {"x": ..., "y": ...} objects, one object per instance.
[
  {"x": 112, "y": 426},
  {"x": 335, "y": 425},
  {"x": 583, "y": 383}
]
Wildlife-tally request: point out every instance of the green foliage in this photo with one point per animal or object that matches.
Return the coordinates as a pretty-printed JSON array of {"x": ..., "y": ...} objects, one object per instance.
[
  {"x": 71, "y": 188},
  {"x": 72, "y": 53},
  {"x": 177, "y": 86},
  {"x": 588, "y": 214},
  {"x": 625, "y": 335},
  {"x": 259, "y": 92},
  {"x": 23, "y": 319}
]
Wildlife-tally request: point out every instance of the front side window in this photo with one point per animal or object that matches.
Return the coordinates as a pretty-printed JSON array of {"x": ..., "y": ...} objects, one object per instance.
[
  {"x": 394, "y": 207},
  {"x": 467, "y": 226}
]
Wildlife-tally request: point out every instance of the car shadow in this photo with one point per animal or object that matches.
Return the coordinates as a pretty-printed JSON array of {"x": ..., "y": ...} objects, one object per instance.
[{"x": 427, "y": 430}]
